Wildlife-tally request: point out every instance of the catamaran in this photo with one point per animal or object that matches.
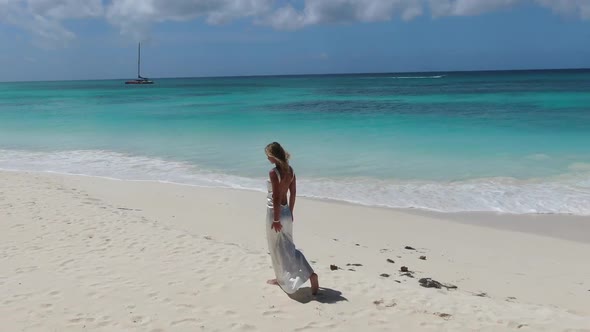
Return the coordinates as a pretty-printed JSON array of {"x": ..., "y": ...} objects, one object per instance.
[{"x": 139, "y": 80}]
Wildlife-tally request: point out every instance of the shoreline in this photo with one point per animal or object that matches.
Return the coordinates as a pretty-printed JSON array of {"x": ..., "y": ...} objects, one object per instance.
[
  {"x": 419, "y": 211},
  {"x": 87, "y": 252}
]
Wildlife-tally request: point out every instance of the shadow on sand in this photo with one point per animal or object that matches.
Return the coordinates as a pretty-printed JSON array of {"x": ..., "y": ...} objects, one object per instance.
[{"x": 325, "y": 295}]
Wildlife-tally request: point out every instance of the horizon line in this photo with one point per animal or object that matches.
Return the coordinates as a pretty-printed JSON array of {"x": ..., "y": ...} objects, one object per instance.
[{"x": 317, "y": 74}]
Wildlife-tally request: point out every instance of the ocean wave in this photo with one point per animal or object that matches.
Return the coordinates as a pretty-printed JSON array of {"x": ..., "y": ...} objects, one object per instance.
[{"x": 561, "y": 195}]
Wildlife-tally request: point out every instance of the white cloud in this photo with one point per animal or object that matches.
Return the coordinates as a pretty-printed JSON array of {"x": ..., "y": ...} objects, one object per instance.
[
  {"x": 467, "y": 7},
  {"x": 65, "y": 9},
  {"x": 134, "y": 16},
  {"x": 44, "y": 18},
  {"x": 343, "y": 11},
  {"x": 580, "y": 8}
]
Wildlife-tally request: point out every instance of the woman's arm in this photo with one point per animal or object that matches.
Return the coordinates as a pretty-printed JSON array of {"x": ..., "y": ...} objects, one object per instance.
[
  {"x": 292, "y": 194},
  {"x": 274, "y": 180}
]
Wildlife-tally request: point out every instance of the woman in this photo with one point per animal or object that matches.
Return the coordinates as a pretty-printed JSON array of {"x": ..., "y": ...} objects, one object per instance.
[{"x": 291, "y": 268}]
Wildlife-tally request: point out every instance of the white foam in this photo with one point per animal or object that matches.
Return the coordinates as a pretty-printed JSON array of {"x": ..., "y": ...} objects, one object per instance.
[
  {"x": 566, "y": 194},
  {"x": 503, "y": 195},
  {"x": 579, "y": 167},
  {"x": 120, "y": 166}
]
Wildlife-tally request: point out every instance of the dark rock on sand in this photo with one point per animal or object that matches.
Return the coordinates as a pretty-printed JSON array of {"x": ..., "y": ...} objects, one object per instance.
[
  {"x": 333, "y": 267},
  {"x": 409, "y": 248},
  {"x": 399, "y": 282},
  {"x": 423, "y": 258},
  {"x": 406, "y": 272},
  {"x": 482, "y": 295},
  {"x": 384, "y": 275},
  {"x": 443, "y": 315},
  {"x": 389, "y": 260},
  {"x": 431, "y": 283},
  {"x": 354, "y": 264}
]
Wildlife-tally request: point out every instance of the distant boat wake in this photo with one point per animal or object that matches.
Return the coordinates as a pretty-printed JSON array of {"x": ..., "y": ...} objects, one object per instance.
[{"x": 417, "y": 77}]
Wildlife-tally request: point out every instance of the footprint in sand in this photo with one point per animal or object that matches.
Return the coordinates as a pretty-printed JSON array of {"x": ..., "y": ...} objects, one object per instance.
[
  {"x": 140, "y": 319},
  {"x": 186, "y": 321}
]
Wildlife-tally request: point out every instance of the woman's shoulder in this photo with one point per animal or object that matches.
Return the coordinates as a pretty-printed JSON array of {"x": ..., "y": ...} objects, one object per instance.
[{"x": 273, "y": 172}]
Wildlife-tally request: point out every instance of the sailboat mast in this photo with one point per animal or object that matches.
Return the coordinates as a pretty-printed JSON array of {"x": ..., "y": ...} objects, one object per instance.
[
  {"x": 138, "y": 59},
  {"x": 139, "y": 80}
]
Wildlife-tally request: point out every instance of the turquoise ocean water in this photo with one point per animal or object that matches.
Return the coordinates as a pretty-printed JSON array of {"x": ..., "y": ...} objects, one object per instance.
[{"x": 515, "y": 141}]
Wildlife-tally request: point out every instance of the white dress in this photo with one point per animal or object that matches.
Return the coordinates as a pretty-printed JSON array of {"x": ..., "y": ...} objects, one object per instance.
[{"x": 291, "y": 268}]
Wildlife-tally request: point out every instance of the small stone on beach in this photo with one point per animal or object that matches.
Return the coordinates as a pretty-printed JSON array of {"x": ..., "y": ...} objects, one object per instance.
[
  {"x": 423, "y": 258},
  {"x": 443, "y": 315},
  {"x": 389, "y": 260},
  {"x": 431, "y": 283},
  {"x": 333, "y": 267},
  {"x": 385, "y": 275},
  {"x": 409, "y": 248},
  {"x": 404, "y": 269}
]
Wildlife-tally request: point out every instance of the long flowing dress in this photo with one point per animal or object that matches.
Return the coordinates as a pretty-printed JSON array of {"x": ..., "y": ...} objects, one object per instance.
[{"x": 291, "y": 268}]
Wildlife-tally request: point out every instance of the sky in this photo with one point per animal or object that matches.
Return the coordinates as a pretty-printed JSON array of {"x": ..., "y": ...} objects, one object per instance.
[{"x": 97, "y": 39}]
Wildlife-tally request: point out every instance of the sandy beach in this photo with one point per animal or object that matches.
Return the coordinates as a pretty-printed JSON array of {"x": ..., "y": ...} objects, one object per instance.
[{"x": 92, "y": 254}]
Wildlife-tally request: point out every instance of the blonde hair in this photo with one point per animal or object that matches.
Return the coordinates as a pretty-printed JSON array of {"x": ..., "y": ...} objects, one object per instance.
[{"x": 276, "y": 151}]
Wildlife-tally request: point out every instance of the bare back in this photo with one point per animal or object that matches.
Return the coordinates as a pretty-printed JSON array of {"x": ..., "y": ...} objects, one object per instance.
[{"x": 282, "y": 184}]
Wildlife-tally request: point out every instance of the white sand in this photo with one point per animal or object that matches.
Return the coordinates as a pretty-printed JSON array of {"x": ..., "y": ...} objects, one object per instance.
[{"x": 89, "y": 254}]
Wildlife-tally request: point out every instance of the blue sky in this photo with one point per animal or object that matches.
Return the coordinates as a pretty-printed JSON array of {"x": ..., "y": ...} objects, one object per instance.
[{"x": 70, "y": 39}]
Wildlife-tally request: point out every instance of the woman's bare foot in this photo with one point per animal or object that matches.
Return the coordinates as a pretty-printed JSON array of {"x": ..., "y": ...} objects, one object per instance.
[
  {"x": 272, "y": 282},
  {"x": 315, "y": 284}
]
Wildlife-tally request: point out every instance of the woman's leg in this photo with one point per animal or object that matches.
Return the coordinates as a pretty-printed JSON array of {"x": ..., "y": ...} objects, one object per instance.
[{"x": 315, "y": 284}]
